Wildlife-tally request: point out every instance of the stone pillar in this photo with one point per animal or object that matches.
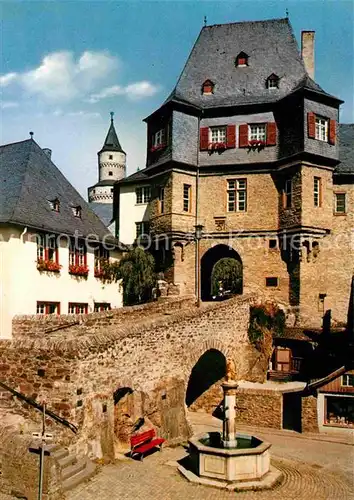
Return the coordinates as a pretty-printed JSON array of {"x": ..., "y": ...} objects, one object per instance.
[{"x": 229, "y": 427}]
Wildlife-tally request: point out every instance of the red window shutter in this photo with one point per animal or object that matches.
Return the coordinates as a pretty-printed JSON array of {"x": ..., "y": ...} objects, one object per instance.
[
  {"x": 311, "y": 125},
  {"x": 271, "y": 134},
  {"x": 57, "y": 255},
  {"x": 46, "y": 253},
  {"x": 231, "y": 136},
  {"x": 204, "y": 138},
  {"x": 243, "y": 136},
  {"x": 85, "y": 258},
  {"x": 332, "y": 132}
]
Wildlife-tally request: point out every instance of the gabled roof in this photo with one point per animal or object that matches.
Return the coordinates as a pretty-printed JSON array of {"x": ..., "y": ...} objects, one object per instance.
[
  {"x": 29, "y": 180},
  {"x": 111, "y": 142},
  {"x": 346, "y": 149},
  {"x": 271, "y": 47}
]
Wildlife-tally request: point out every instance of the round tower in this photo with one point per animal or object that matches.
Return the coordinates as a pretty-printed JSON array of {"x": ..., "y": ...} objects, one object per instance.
[{"x": 111, "y": 167}]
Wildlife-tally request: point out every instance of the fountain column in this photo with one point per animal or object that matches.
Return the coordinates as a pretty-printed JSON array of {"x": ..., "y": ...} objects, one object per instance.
[{"x": 229, "y": 425}]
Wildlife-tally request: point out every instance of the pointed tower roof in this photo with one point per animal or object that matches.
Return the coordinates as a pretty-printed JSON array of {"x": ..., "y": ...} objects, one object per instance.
[{"x": 111, "y": 142}]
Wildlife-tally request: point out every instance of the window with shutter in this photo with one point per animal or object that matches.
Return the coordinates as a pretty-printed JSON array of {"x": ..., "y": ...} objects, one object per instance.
[
  {"x": 332, "y": 132},
  {"x": 243, "y": 135},
  {"x": 271, "y": 134},
  {"x": 311, "y": 125},
  {"x": 204, "y": 138}
]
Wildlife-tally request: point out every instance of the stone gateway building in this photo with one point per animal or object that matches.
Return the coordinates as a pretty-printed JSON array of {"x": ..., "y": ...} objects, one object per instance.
[{"x": 247, "y": 150}]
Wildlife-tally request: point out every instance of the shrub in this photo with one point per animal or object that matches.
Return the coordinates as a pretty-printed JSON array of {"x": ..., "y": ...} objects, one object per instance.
[{"x": 266, "y": 320}]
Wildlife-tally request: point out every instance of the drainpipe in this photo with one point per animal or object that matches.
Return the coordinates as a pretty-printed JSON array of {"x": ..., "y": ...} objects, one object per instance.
[
  {"x": 23, "y": 233},
  {"x": 197, "y": 245}
]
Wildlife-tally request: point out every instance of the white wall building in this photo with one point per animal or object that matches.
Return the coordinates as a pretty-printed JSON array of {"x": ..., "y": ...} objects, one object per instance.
[{"x": 51, "y": 243}]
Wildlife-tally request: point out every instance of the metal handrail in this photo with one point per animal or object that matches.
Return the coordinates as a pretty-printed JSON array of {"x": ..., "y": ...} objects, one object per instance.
[{"x": 40, "y": 407}]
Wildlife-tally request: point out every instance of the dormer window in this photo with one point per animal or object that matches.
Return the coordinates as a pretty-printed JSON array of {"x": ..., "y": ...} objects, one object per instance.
[
  {"x": 158, "y": 140},
  {"x": 272, "y": 82},
  {"x": 55, "y": 205},
  {"x": 77, "y": 211},
  {"x": 208, "y": 87},
  {"x": 241, "y": 60}
]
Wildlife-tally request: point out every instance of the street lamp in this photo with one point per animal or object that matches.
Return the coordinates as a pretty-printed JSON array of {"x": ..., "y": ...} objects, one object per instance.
[{"x": 198, "y": 236}]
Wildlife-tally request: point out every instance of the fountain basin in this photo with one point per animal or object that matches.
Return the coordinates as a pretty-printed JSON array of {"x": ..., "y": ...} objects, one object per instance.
[{"x": 249, "y": 461}]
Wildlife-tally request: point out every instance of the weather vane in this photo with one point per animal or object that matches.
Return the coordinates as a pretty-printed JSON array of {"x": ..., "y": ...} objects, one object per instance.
[
  {"x": 287, "y": 13},
  {"x": 205, "y": 21},
  {"x": 112, "y": 114}
]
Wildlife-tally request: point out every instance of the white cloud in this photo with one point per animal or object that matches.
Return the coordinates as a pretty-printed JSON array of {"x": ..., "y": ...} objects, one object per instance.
[
  {"x": 134, "y": 91},
  {"x": 8, "y": 104},
  {"x": 5, "y": 80},
  {"x": 61, "y": 77}
]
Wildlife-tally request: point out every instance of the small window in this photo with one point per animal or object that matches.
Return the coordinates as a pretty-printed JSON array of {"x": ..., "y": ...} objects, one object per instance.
[
  {"x": 143, "y": 195},
  {"x": 142, "y": 228},
  {"x": 110, "y": 157},
  {"x": 288, "y": 194},
  {"x": 162, "y": 200},
  {"x": 273, "y": 244},
  {"x": 237, "y": 195},
  {"x": 207, "y": 87},
  {"x": 241, "y": 60},
  {"x": 186, "y": 198},
  {"x": 321, "y": 130},
  {"x": 77, "y": 211},
  {"x": 48, "y": 307},
  {"x": 102, "y": 306},
  {"x": 257, "y": 132},
  {"x": 77, "y": 308},
  {"x": 110, "y": 173},
  {"x": 159, "y": 140},
  {"x": 55, "y": 205},
  {"x": 272, "y": 282},
  {"x": 340, "y": 203},
  {"x": 348, "y": 380},
  {"x": 317, "y": 191},
  {"x": 272, "y": 82},
  {"x": 217, "y": 135}
]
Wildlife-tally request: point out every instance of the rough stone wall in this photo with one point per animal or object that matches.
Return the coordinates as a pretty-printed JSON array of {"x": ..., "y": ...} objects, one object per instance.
[
  {"x": 309, "y": 418},
  {"x": 259, "y": 408},
  {"x": 80, "y": 368}
]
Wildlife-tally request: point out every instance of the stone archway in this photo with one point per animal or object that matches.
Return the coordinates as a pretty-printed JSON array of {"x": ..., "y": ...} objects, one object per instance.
[
  {"x": 203, "y": 389},
  {"x": 207, "y": 265},
  {"x": 127, "y": 411}
]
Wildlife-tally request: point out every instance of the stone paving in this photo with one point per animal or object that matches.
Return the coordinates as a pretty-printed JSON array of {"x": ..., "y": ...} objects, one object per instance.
[{"x": 314, "y": 469}]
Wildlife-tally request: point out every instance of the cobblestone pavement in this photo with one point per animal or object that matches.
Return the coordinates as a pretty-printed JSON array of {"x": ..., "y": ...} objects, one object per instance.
[{"x": 314, "y": 469}]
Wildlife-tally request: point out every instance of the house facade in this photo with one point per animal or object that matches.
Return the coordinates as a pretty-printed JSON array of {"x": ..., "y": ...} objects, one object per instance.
[
  {"x": 243, "y": 162},
  {"x": 52, "y": 245}
]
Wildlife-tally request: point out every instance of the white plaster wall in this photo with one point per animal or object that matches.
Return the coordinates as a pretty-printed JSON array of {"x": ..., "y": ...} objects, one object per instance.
[
  {"x": 101, "y": 194},
  {"x": 116, "y": 165},
  {"x": 130, "y": 213},
  {"x": 22, "y": 285}
]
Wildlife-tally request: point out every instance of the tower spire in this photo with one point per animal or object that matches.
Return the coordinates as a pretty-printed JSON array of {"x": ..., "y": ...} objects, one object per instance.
[{"x": 112, "y": 115}]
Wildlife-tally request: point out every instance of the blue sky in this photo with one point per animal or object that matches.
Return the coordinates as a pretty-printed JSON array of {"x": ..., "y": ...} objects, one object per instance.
[{"x": 66, "y": 64}]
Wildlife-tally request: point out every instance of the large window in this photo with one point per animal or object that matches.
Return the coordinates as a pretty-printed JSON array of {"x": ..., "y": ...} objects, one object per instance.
[
  {"x": 159, "y": 138},
  {"x": 217, "y": 135},
  {"x": 77, "y": 253},
  {"x": 186, "y": 197},
  {"x": 321, "y": 131},
  {"x": 340, "y": 203},
  {"x": 257, "y": 132},
  {"x": 317, "y": 191},
  {"x": 102, "y": 306},
  {"x": 339, "y": 411},
  {"x": 143, "y": 195},
  {"x": 142, "y": 228},
  {"x": 101, "y": 257},
  {"x": 48, "y": 307},
  {"x": 237, "y": 195},
  {"x": 47, "y": 248}
]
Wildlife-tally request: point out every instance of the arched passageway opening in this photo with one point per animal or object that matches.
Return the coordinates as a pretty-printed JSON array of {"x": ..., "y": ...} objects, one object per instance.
[
  {"x": 126, "y": 414},
  {"x": 209, "y": 369},
  {"x": 221, "y": 269}
]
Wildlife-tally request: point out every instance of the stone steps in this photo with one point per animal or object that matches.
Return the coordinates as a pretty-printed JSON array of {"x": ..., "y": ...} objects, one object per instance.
[{"x": 73, "y": 471}]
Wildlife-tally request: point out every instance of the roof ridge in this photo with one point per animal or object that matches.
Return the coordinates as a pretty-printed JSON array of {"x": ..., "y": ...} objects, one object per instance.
[
  {"x": 276, "y": 19},
  {"x": 16, "y": 142}
]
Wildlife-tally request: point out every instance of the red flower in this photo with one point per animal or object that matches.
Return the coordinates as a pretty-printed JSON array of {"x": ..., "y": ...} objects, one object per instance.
[
  {"x": 156, "y": 148},
  {"x": 48, "y": 265},
  {"x": 78, "y": 270},
  {"x": 256, "y": 142}
]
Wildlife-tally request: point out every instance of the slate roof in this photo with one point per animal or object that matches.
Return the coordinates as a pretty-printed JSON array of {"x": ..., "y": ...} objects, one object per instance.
[
  {"x": 111, "y": 142},
  {"x": 346, "y": 149},
  {"x": 104, "y": 211},
  {"x": 136, "y": 177},
  {"x": 271, "y": 47},
  {"x": 29, "y": 180}
]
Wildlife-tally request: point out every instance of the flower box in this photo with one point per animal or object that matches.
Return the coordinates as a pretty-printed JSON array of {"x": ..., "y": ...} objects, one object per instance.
[
  {"x": 78, "y": 270},
  {"x": 157, "y": 148},
  {"x": 216, "y": 146},
  {"x": 256, "y": 143},
  {"x": 48, "y": 265}
]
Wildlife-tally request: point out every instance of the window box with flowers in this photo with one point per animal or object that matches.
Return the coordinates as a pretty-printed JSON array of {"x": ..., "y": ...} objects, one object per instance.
[
  {"x": 158, "y": 147},
  {"x": 48, "y": 265},
  {"x": 78, "y": 270}
]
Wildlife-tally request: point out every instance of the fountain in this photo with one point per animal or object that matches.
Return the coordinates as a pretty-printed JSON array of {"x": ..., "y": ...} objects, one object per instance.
[{"x": 228, "y": 459}]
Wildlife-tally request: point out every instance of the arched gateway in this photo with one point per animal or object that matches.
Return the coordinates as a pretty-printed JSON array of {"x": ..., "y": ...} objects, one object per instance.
[{"x": 209, "y": 266}]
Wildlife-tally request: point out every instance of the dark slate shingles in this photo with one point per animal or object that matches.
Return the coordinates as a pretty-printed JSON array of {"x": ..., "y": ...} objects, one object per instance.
[
  {"x": 28, "y": 181},
  {"x": 346, "y": 149}
]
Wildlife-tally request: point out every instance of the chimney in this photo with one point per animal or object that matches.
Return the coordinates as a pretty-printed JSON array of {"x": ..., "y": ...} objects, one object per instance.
[
  {"x": 47, "y": 152},
  {"x": 308, "y": 52}
]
